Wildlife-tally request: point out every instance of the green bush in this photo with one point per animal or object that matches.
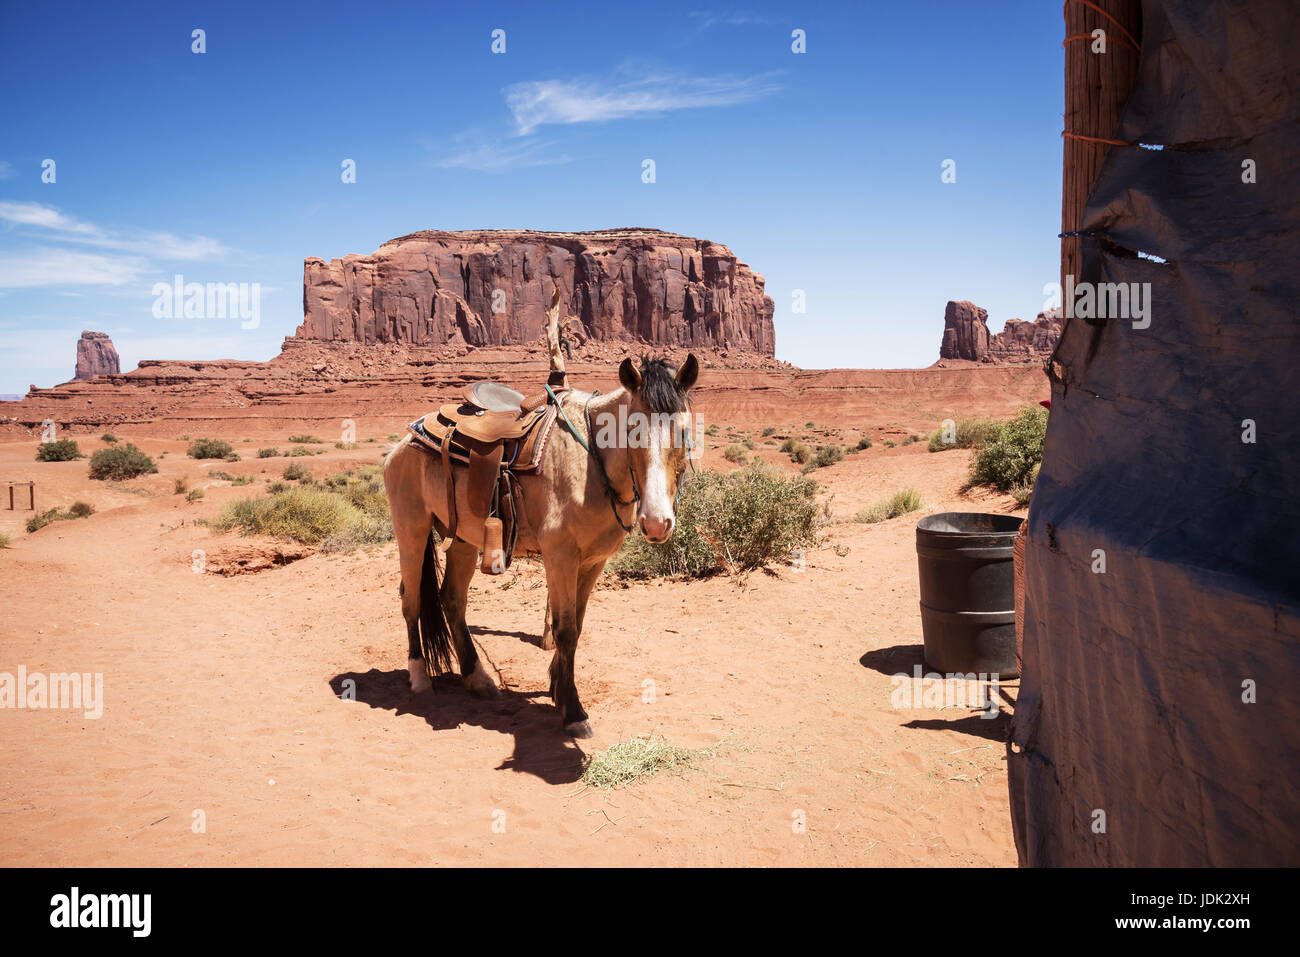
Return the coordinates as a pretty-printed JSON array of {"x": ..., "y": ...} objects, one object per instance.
[
  {"x": 769, "y": 431},
  {"x": 209, "y": 449},
  {"x": 296, "y": 473},
  {"x": 4, "y": 540},
  {"x": 195, "y": 495},
  {"x": 900, "y": 503},
  {"x": 910, "y": 439},
  {"x": 62, "y": 450},
  {"x": 306, "y": 439},
  {"x": 968, "y": 434},
  {"x": 120, "y": 462},
  {"x": 267, "y": 453},
  {"x": 745, "y": 519},
  {"x": 864, "y": 443},
  {"x": 1008, "y": 457},
  {"x": 108, "y": 437},
  {"x": 77, "y": 510},
  {"x": 338, "y": 518},
  {"x": 828, "y": 455},
  {"x": 180, "y": 486},
  {"x": 735, "y": 453}
]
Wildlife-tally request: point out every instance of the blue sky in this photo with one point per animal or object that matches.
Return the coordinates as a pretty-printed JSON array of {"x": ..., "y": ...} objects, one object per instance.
[{"x": 822, "y": 170}]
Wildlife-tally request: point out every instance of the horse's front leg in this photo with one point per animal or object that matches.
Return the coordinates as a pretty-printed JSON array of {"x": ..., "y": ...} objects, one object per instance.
[{"x": 569, "y": 587}]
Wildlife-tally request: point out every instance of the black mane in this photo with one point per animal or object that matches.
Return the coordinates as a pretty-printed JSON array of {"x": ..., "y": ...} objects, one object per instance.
[{"x": 659, "y": 388}]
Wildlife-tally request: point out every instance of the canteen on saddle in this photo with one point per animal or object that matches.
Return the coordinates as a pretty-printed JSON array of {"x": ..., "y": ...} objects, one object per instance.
[{"x": 487, "y": 440}]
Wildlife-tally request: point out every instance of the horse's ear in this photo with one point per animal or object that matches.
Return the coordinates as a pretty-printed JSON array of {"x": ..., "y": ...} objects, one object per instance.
[
  {"x": 628, "y": 375},
  {"x": 688, "y": 373}
]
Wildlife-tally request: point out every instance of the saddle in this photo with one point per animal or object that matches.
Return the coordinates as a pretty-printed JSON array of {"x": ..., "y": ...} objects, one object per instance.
[{"x": 493, "y": 436}]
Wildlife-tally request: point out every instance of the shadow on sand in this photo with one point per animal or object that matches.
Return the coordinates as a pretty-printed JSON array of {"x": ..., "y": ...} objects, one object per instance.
[
  {"x": 903, "y": 659},
  {"x": 541, "y": 747}
]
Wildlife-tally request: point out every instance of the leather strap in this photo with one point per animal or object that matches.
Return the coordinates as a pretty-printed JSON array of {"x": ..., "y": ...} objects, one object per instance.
[{"x": 451, "y": 483}]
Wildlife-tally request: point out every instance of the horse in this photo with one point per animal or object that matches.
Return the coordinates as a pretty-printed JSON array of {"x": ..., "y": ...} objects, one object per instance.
[{"x": 614, "y": 462}]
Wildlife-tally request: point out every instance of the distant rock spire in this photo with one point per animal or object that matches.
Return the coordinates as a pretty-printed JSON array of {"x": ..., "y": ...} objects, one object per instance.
[{"x": 96, "y": 356}]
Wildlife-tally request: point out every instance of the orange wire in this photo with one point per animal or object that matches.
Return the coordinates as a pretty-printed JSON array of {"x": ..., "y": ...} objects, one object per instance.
[
  {"x": 1088, "y": 36},
  {"x": 1094, "y": 139},
  {"x": 1092, "y": 6}
]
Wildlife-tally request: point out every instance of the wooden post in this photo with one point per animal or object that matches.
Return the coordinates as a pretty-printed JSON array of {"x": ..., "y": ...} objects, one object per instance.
[
  {"x": 11, "y": 496},
  {"x": 1097, "y": 86},
  {"x": 558, "y": 377}
]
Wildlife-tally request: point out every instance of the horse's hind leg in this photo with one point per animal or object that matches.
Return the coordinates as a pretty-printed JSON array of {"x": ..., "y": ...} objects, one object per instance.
[{"x": 462, "y": 562}]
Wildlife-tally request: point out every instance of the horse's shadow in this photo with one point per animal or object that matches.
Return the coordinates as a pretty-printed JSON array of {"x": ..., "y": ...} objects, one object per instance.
[{"x": 541, "y": 749}]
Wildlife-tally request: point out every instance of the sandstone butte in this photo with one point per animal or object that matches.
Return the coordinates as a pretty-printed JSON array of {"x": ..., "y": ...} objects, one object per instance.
[
  {"x": 388, "y": 336},
  {"x": 492, "y": 288},
  {"x": 966, "y": 336},
  {"x": 96, "y": 356}
]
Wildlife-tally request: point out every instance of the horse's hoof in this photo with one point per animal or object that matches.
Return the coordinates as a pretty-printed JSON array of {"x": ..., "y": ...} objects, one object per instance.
[
  {"x": 419, "y": 676},
  {"x": 579, "y": 729},
  {"x": 481, "y": 685}
]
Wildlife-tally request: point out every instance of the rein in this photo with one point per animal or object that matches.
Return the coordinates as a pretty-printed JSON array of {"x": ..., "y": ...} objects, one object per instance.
[{"x": 614, "y": 500}]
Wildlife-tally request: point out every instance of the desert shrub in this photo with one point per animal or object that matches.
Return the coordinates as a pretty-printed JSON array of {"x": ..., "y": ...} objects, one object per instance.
[
  {"x": 267, "y": 453},
  {"x": 77, "y": 510},
  {"x": 1008, "y": 457},
  {"x": 910, "y": 439},
  {"x": 735, "y": 453},
  {"x": 231, "y": 456},
  {"x": 39, "y": 521},
  {"x": 220, "y": 475},
  {"x": 61, "y": 450},
  {"x": 747, "y": 442},
  {"x": 274, "y": 487},
  {"x": 108, "y": 437},
  {"x": 306, "y": 439},
  {"x": 335, "y": 518},
  {"x": 769, "y": 431},
  {"x": 828, "y": 455},
  {"x": 195, "y": 495},
  {"x": 209, "y": 449},
  {"x": 393, "y": 436},
  {"x": 789, "y": 444},
  {"x": 968, "y": 434},
  {"x": 299, "y": 451},
  {"x": 890, "y": 443},
  {"x": 120, "y": 462},
  {"x": 4, "y": 540},
  {"x": 296, "y": 473},
  {"x": 1022, "y": 493},
  {"x": 864, "y": 443},
  {"x": 347, "y": 446},
  {"x": 900, "y": 503},
  {"x": 745, "y": 519},
  {"x": 809, "y": 425},
  {"x": 180, "y": 486}
]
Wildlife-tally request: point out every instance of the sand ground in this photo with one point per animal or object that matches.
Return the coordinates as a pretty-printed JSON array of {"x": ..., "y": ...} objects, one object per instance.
[{"x": 226, "y": 698}]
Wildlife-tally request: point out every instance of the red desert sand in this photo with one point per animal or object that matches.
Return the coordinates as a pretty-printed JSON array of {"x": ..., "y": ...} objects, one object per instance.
[{"x": 229, "y": 735}]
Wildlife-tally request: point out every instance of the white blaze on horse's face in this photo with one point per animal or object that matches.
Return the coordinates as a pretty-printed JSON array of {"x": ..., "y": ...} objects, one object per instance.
[
  {"x": 657, "y": 514},
  {"x": 658, "y": 426}
]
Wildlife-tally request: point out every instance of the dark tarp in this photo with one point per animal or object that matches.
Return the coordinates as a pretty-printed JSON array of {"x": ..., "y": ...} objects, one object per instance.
[{"x": 1132, "y": 700}]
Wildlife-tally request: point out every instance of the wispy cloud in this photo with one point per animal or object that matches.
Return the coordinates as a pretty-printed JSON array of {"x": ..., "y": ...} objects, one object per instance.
[
  {"x": 735, "y": 18},
  {"x": 495, "y": 155},
  {"x": 60, "y": 226},
  {"x": 540, "y": 102},
  {"x": 129, "y": 253},
  {"x": 52, "y": 266}
]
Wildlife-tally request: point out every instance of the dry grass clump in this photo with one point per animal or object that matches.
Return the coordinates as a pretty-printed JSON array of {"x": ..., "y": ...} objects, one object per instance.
[
  {"x": 349, "y": 510},
  {"x": 642, "y": 757},
  {"x": 900, "y": 503}
]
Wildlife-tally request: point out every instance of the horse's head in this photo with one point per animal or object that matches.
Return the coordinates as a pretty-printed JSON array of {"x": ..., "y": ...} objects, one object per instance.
[{"x": 658, "y": 431}]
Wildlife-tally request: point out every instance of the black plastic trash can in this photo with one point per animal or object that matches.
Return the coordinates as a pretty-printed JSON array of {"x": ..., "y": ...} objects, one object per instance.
[{"x": 968, "y": 610}]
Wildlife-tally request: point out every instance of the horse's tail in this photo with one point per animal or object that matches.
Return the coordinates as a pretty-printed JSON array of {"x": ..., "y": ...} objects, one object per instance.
[{"x": 435, "y": 635}]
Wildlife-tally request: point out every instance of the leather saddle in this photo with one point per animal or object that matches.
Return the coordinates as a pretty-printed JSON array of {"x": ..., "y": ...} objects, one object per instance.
[{"x": 488, "y": 440}]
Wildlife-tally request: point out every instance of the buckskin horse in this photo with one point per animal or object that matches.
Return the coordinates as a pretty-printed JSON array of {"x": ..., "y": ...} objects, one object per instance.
[{"x": 608, "y": 463}]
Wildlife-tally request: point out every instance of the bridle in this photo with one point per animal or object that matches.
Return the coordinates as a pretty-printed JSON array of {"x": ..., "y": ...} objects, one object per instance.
[{"x": 615, "y": 502}]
